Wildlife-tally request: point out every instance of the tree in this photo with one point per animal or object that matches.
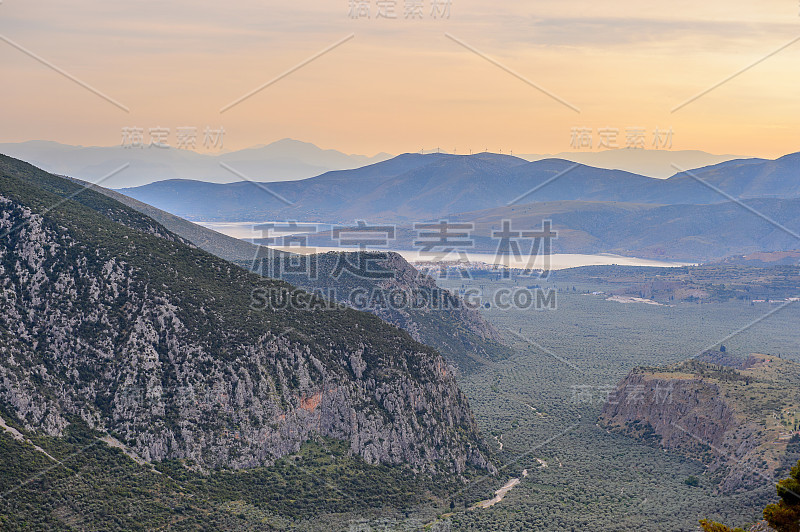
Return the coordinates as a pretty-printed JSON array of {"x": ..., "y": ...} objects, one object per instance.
[
  {"x": 711, "y": 526},
  {"x": 784, "y": 516}
]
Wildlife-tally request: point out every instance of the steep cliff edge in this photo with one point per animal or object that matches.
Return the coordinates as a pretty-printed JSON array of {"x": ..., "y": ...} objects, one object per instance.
[
  {"x": 737, "y": 415},
  {"x": 460, "y": 333},
  {"x": 399, "y": 294},
  {"x": 107, "y": 316}
]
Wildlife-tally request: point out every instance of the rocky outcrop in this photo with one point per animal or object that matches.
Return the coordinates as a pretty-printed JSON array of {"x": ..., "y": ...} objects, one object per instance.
[
  {"x": 408, "y": 279},
  {"x": 459, "y": 332},
  {"x": 690, "y": 415},
  {"x": 156, "y": 342},
  {"x": 399, "y": 294}
]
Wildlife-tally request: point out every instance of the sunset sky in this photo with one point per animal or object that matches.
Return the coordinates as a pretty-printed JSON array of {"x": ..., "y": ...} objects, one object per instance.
[{"x": 402, "y": 84}]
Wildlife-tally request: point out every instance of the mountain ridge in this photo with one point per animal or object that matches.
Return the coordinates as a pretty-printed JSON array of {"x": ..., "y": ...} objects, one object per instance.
[
  {"x": 728, "y": 411},
  {"x": 108, "y": 316},
  {"x": 425, "y": 187},
  {"x": 285, "y": 159},
  {"x": 458, "y": 332}
]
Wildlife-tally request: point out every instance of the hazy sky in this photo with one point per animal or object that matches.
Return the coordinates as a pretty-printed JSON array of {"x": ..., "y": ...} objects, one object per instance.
[{"x": 401, "y": 84}]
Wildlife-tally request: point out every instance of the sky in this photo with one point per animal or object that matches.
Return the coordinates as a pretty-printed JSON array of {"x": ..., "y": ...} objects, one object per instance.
[{"x": 460, "y": 75}]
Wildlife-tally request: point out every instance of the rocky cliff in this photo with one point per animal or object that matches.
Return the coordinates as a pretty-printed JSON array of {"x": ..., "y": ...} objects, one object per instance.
[
  {"x": 737, "y": 418},
  {"x": 457, "y": 331},
  {"x": 107, "y": 316},
  {"x": 398, "y": 293}
]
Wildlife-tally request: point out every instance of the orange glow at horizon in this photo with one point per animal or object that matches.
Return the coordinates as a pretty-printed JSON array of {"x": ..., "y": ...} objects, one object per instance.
[{"x": 400, "y": 84}]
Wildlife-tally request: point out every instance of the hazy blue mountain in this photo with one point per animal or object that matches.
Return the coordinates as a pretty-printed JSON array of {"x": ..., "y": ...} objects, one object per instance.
[
  {"x": 414, "y": 187},
  {"x": 245, "y": 200},
  {"x": 741, "y": 178},
  {"x": 651, "y": 163},
  {"x": 407, "y": 187},
  {"x": 669, "y": 232},
  {"x": 285, "y": 159}
]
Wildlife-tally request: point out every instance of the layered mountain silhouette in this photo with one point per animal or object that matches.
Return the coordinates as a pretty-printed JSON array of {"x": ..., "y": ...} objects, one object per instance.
[
  {"x": 285, "y": 159},
  {"x": 413, "y": 186},
  {"x": 735, "y": 207},
  {"x": 407, "y": 187},
  {"x": 282, "y": 160},
  {"x": 652, "y": 163}
]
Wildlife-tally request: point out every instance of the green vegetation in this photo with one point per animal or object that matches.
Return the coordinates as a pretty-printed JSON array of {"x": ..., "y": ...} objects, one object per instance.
[
  {"x": 595, "y": 480},
  {"x": 207, "y": 338},
  {"x": 711, "y": 526},
  {"x": 322, "y": 478},
  {"x": 96, "y": 487},
  {"x": 542, "y": 404},
  {"x": 783, "y": 516}
]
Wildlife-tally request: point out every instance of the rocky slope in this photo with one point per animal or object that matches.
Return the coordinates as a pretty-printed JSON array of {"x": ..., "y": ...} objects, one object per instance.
[
  {"x": 399, "y": 294},
  {"x": 108, "y": 317},
  {"x": 223, "y": 246},
  {"x": 460, "y": 333},
  {"x": 735, "y": 414}
]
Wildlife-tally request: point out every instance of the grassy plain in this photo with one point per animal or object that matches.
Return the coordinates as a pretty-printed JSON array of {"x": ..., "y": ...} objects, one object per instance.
[{"x": 543, "y": 403}]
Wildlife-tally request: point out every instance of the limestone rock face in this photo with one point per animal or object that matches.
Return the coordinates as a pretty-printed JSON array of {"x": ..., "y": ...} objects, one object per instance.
[
  {"x": 401, "y": 295},
  {"x": 154, "y": 341},
  {"x": 409, "y": 280},
  {"x": 690, "y": 415}
]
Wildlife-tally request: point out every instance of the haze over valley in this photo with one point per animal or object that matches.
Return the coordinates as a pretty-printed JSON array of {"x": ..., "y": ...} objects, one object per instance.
[{"x": 380, "y": 266}]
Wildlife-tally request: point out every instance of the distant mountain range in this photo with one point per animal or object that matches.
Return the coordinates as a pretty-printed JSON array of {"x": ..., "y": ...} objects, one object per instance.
[
  {"x": 692, "y": 215},
  {"x": 652, "y": 163},
  {"x": 285, "y": 159},
  {"x": 413, "y": 187}
]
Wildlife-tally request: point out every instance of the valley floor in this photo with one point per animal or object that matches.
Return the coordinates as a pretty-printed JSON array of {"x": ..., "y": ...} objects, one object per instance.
[
  {"x": 538, "y": 408},
  {"x": 546, "y": 399}
]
